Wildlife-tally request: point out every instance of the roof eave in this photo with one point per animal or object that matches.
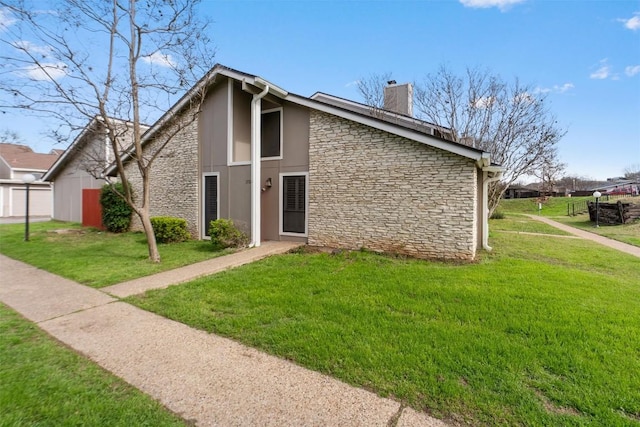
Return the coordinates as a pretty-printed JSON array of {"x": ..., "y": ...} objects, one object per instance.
[{"x": 461, "y": 150}]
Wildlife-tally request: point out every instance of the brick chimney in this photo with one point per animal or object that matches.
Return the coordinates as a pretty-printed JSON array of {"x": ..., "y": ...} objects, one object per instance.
[{"x": 399, "y": 98}]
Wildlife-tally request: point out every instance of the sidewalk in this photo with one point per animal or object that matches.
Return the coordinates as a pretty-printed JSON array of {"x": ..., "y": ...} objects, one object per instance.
[
  {"x": 621, "y": 246},
  {"x": 202, "y": 377}
]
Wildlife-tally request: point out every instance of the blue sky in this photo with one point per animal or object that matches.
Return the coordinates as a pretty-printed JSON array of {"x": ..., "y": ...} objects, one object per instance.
[{"x": 584, "y": 54}]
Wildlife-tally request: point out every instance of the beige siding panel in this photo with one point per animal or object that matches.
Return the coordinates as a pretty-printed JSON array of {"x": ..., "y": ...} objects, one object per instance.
[
  {"x": 5, "y": 170},
  {"x": 269, "y": 204},
  {"x": 67, "y": 195},
  {"x": 239, "y": 196},
  {"x": 372, "y": 189},
  {"x": 295, "y": 139},
  {"x": 241, "y": 124},
  {"x": 212, "y": 129}
]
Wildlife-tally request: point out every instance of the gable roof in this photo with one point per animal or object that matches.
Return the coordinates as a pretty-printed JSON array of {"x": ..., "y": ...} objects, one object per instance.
[
  {"x": 19, "y": 156},
  {"x": 386, "y": 115},
  {"x": 394, "y": 123},
  {"x": 77, "y": 144}
]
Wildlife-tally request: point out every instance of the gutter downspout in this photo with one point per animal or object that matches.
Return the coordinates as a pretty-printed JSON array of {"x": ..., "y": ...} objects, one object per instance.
[
  {"x": 485, "y": 206},
  {"x": 256, "y": 155}
]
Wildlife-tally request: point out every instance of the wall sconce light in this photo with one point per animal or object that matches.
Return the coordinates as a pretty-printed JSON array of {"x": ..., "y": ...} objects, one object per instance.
[{"x": 267, "y": 184}]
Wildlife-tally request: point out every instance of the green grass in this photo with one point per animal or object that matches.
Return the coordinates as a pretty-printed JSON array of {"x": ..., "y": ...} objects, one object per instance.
[
  {"x": 523, "y": 224},
  {"x": 628, "y": 233},
  {"x": 553, "y": 206},
  {"x": 92, "y": 257},
  {"x": 43, "y": 383},
  {"x": 556, "y": 208},
  {"x": 543, "y": 331}
]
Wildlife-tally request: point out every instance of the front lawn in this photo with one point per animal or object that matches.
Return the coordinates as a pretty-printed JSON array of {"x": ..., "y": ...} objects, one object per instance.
[
  {"x": 543, "y": 331},
  {"x": 556, "y": 209},
  {"x": 92, "y": 257},
  {"x": 42, "y": 383}
]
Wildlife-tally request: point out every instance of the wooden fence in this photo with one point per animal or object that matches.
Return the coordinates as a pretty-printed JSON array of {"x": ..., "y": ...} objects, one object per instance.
[{"x": 614, "y": 213}]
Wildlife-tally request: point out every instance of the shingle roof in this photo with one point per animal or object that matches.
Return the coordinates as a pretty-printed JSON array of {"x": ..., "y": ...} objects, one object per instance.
[{"x": 23, "y": 157}]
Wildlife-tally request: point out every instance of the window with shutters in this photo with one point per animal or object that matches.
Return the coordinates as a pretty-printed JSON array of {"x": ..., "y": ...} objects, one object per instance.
[
  {"x": 271, "y": 134},
  {"x": 210, "y": 201},
  {"x": 294, "y": 204}
]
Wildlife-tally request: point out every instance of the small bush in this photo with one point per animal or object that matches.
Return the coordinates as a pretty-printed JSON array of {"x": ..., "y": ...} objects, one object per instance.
[
  {"x": 224, "y": 234},
  {"x": 497, "y": 215},
  {"x": 169, "y": 229},
  {"x": 116, "y": 213}
]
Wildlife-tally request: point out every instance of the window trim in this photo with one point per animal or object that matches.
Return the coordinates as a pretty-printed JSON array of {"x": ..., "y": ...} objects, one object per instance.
[
  {"x": 271, "y": 110},
  {"x": 203, "y": 233},
  {"x": 306, "y": 204}
]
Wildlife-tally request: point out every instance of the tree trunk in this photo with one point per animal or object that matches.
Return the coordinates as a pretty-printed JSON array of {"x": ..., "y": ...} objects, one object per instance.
[{"x": 154, "y": 255}]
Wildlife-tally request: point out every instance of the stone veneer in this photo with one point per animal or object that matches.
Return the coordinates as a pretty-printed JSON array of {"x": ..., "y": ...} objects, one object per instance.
[
  {"x": 372, "y": 189},
  {"x": 174, "y": 178}
]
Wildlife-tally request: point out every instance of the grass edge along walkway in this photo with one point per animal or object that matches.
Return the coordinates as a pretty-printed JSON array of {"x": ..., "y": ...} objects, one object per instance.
[{"x": 615, "y": 244}]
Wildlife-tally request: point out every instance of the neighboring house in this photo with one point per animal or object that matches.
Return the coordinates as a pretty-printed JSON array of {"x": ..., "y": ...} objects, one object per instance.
[
  {"x": 619, "y": 187},
  {"x": 331, "y": 172},
  {"x": 16, "y": 161},
  {"x": 81, "y": 167},
  {"x": 515, "y": 192}
]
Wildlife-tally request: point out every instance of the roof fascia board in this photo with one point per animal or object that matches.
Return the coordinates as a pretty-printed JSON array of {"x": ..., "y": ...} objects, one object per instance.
[
  {"x": 210, "y": 77},
  {"x": 62, "y": 160},
  {"x": 460, "y": 150},
  {"x": 29, "y": 170},
  {"x": 5, "y": 162}
]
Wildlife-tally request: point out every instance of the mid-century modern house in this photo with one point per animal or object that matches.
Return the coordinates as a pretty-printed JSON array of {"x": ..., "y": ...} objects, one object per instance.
[
  {"x": 16, "y": 161},
  {"x": 321, "y": 170},
  {"x": 80, "y": 167}
]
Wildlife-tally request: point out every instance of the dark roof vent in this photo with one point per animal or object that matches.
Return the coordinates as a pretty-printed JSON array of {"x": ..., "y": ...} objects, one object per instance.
[{"x": 391, "y": 82}]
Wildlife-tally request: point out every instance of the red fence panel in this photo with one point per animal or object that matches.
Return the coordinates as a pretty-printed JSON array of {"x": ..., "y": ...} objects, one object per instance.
[{"x": 91, "y": 209}]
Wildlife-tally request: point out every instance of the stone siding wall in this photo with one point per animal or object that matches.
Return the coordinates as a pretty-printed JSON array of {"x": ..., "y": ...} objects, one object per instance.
[
  {"x": 174, "y": 177},
  {"x": 372, "y": 189}
]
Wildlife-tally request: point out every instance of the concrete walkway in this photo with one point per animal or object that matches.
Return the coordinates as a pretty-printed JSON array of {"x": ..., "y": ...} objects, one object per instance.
[
  {"x": 621, "y": 246},
  {"x": 194, "y": 271},
  {"x": 204, "y": 378}
]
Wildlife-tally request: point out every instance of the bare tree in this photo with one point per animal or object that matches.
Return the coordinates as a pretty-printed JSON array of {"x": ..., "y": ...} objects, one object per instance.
[
  {"x": 632, "y": 172},
  {"x": 372, "y": 91},
  {"x": 11, "y": 136},
  {"x": 549, "y": 173},
  {"x": 508, "y": 120},
  {"x": 120, "y": 61}
]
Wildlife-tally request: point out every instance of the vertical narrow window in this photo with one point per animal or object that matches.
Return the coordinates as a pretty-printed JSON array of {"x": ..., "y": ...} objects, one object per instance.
[
  {"x": 210, "y": 201},
  {"x": 271, "y": 132},
  {"x": 294, "y": 203}
]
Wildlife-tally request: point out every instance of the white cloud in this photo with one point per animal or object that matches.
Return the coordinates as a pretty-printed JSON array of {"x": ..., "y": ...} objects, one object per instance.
[
  {"x": 632, "y": 70},
  {"x": 353, "y": 83},
  {"x": 555, "y": 88},
  {"x": 524, "y": 97},
  {"x": 157, "y": 58},
  {"x": 6, "y": 19},
  {"x": 483, "y": 4},
  {"x": 31, "y": 48},
  {"x": 603, "y": 71},
  {"x": 484, "y": 102},
  {"x": 632, "y": 23},
  {"x": 46, "y": 71}
]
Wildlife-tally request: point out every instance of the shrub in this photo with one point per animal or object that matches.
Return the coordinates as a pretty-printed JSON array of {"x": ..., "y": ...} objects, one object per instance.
[
  {"x": 497, "y": 215},
  {"x": 169, "y": 229},
  {"x": 224, "y": 234},
  {"x": 116, "y": 213}
]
